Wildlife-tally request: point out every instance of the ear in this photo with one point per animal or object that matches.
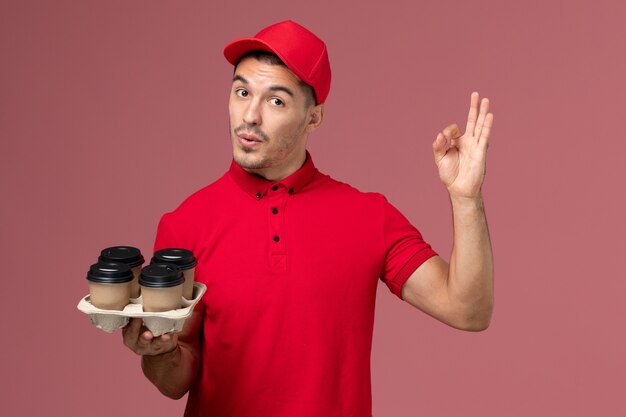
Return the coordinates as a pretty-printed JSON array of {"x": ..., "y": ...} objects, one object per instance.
[{"x": 316, "y": 115}]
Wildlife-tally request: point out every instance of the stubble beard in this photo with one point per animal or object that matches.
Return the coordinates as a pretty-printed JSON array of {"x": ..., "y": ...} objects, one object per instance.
[{"x": 254, "y": 159}]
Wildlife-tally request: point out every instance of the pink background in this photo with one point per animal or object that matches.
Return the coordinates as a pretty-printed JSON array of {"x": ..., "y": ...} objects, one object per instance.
[{"x": 113, "y": 111}]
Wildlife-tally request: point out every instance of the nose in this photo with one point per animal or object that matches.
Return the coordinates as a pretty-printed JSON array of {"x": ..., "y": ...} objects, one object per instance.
[{"x": 252, "y": 113}]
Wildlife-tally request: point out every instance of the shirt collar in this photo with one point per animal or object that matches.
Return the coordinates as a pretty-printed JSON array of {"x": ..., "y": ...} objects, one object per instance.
[{"x": 258, "y": 187}]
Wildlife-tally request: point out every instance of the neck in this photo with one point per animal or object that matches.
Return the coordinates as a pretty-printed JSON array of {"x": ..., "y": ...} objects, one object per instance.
[{"x": 277, "y": 173}]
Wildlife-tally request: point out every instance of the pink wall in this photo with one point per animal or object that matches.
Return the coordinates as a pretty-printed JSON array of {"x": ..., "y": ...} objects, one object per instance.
[{"x": 113, "y": 111}]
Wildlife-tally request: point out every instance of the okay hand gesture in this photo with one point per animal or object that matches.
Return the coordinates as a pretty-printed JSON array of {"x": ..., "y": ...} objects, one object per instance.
[{"x": 461, "y": 158}]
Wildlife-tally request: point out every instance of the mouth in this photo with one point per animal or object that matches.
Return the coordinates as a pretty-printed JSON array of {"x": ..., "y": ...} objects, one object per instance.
[{"x": 249, "y": 139}]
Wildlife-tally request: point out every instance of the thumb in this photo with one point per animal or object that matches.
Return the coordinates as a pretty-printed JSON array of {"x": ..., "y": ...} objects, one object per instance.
[
  {"x": 439, "y": 147},
  {"x": 130, "y": 332}
]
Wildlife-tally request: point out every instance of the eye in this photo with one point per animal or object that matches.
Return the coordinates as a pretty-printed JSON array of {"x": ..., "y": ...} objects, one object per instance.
[
  {"x": 241, "y": 92},
  {"x": 276, "y": 101}
]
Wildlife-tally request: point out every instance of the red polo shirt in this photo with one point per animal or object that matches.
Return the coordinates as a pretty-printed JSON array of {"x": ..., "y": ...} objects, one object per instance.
[{"x": 291, "y": 269}]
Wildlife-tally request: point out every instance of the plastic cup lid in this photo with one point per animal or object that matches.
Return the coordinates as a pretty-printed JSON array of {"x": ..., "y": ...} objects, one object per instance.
[
  {"x": 161, "y": 276},
  {"x": 124, "y": 254},
  {"x": 182, "y": 258},
  {"x": 109, "y": 273}
]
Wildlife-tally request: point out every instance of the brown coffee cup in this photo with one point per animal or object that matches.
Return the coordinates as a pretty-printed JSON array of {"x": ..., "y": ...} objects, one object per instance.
[
  {"x": 109, "y": 285},
  {"x": 184, "y": 260},
  {"x": 161, "y": 287},
  {"x": 128, "y": 255}
]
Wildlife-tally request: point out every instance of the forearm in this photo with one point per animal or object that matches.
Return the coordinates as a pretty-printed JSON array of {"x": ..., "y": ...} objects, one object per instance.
[
  {"x": 173, "y": 372},
  {"x": 470, "y": 277}
]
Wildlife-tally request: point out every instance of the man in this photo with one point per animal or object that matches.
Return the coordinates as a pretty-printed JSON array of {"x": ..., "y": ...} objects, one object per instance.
[{"x": 291, "y": 258}]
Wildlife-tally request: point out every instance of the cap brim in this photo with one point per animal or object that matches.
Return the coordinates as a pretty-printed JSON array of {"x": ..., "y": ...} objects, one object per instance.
[{"x": 237, "y": 48}]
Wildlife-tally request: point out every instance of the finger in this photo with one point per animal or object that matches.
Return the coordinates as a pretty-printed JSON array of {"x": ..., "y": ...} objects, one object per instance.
[
  {"x": 451, "y": 132},
  {"x": 486, "y": 132},
  {"x": 172, "y": 338},
  {"x": 484, "y": 109},
  {"x": 144, "y": 341},
  {"x": 131, "y": 331},
  {"x": 147, "y": 336},
  {"x": 439, "y": 147},
  {"x": 149, "y": 344},
  {"x": 473, "y": 113},
  {"x": 164, "y": 343}
]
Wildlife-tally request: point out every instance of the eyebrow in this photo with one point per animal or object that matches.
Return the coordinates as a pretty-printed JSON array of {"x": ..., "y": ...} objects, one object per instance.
[
  {"x": 238, "y": 77},
  {"x": 287, "y": 90}
]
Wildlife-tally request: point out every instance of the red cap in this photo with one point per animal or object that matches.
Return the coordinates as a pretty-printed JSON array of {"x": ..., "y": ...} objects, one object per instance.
[{"x": 304, "y": 53}]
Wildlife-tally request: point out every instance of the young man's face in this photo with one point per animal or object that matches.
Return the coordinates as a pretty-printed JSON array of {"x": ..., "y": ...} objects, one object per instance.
[{"x": 270, "y": 119}]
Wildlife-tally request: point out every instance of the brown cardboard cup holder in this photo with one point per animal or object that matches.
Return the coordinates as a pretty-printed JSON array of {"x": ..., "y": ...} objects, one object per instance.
[{"x": 158, "y": 323}]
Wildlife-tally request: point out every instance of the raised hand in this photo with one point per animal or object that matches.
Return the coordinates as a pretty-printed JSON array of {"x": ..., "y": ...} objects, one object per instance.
[{"x": 461, "y": 158}]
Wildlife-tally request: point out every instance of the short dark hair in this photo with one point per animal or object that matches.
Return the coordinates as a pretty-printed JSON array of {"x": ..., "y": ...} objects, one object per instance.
[{"x": 273, "y": 59}]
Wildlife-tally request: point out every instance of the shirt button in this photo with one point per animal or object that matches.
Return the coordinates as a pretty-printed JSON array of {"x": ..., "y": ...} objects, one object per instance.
[
  {"x": 274, "y": 188},
  {"x": 291, "y": 191},
  {"x": 276, "y": 238},
  {"x": 259, "y": 195},
  {"x": 274, "y": 210}
]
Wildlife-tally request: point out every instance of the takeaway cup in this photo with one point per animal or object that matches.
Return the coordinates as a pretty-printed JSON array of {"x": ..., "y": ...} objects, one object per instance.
[
  {"x": 161, "y": 287},
  {"x": 184, "y": 260},
  {"x": 128, "y": 255},
  {"x": 109, "y": 285}
]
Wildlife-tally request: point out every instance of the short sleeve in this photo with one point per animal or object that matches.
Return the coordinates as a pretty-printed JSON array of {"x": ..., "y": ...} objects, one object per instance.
[{"x": 405, "y": 248}]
